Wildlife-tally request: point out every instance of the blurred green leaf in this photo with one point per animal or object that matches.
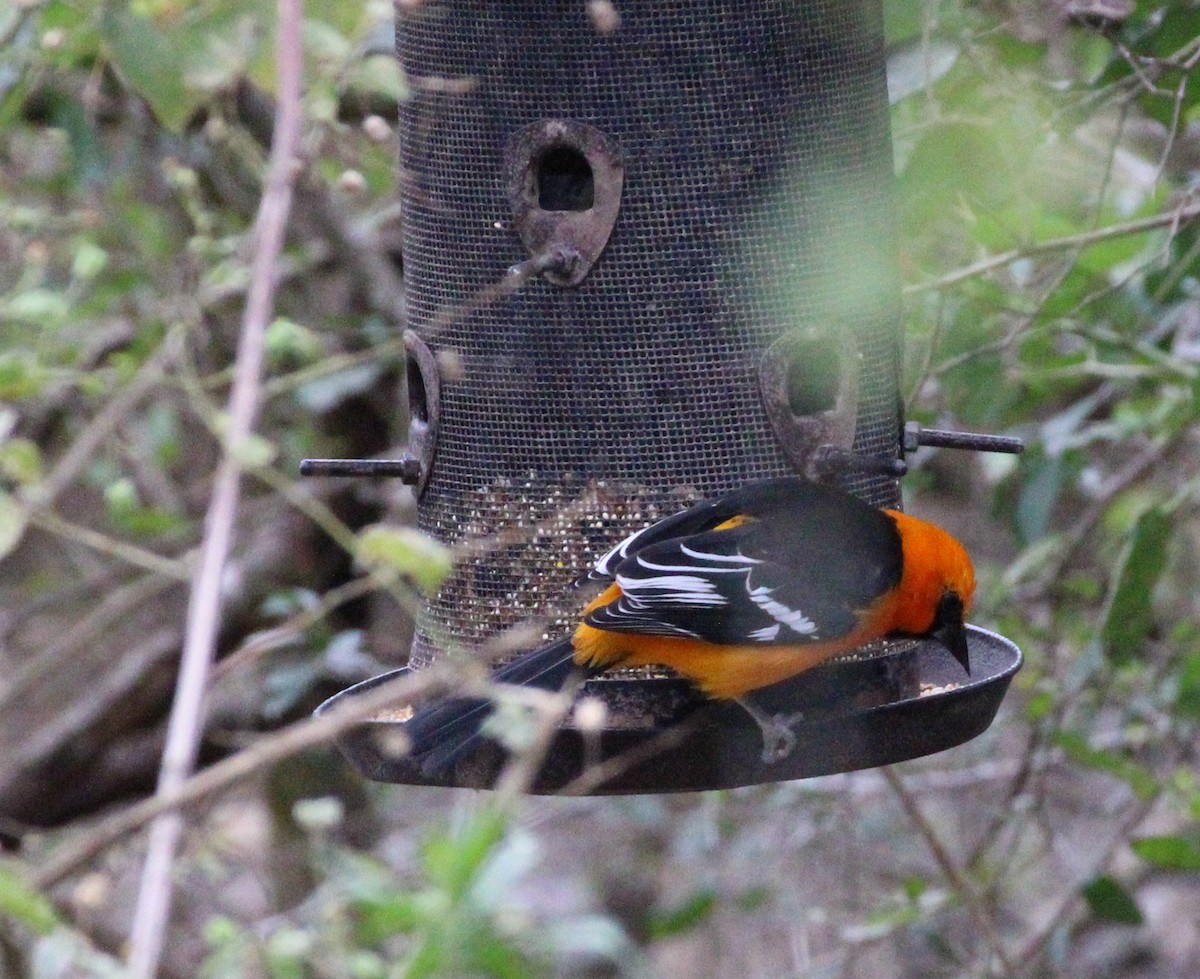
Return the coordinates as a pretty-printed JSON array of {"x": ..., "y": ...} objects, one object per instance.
[
  {"x": 1039, "y": 705},
  {"x": 379, "y": 76},
  {"x": 395, "y": 913},
  {"x": 956, "y": 162},
  {"x": 589, "y": 937},
  {"x": 21, "y": 376},
  {"x": 363, "y": 964},
  {"x": 1187, "y": 693},
  {"x": 328, "y": 391},
  {"x": 253, "y": 451},
  {"x": 326, "y": 43},
  {"x": 454, "y": 860},
  {"x": 903, "y": 20},
  {"x": 38, "y": 307},
  {"x": 288, "y": 682},
  {"x": 509, "y": 860},
  {"x": 13, "y": 520},
  {"x": 1130, "y": 613},
  {"x": 89, "y": 261},
  {"x": 688, "y": 914},
  {"x": 1169, "y": 852},
  {"x": 150, "y": 60},
  {"x": 754, "y": 897},
  {"x": 120, "y": 496},
  {"x": 25, "y": 905},
  {"x": 21, "y": 460},
  {"x": 1108, "y": 900},
  {"x": 230, "y": 949},
  {"x": 287, "y": 953},
  {"x": 1139, "y": 778},
  {"x": 406, "y": 551},
  {"x": 289, "y": 342},
  {"x": 207, "y": 47},
  {"x": 458, "y": 932},
  {"x": 1039, "y": 496}
]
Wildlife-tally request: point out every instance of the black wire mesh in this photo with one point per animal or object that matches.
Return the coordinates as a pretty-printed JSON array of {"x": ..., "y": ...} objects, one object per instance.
[{"x": 756, "y": 200}]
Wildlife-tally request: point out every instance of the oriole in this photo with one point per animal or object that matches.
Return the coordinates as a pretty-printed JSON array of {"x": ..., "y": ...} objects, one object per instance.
[{"x": 739, "y": 593}]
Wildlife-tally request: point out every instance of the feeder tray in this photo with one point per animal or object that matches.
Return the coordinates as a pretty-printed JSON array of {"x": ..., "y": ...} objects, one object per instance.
[{"x": 901, "y": 701}]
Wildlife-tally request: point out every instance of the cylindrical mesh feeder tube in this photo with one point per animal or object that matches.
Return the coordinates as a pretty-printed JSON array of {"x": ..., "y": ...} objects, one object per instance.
[
  {"x": 695, "y": 196},
  {"x": 750, "y": 145}
]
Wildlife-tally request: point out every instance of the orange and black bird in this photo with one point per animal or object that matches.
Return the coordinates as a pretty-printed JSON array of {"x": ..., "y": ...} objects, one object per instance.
[{"x": 738, "y": 593}]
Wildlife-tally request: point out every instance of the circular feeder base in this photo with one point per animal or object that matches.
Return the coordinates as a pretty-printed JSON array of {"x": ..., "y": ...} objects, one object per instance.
[{"x": 902, "y": 701}]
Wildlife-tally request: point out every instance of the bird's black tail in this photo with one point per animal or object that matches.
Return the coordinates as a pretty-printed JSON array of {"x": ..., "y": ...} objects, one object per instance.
[{"x": 447, "y": 730}]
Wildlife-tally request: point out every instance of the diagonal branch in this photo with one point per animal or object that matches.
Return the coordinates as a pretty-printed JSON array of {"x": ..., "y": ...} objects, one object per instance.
[
  {"x": 203, "y": 619},
  {"x": 954, "y": 877},
  {"x": 1170, "y": 219}
]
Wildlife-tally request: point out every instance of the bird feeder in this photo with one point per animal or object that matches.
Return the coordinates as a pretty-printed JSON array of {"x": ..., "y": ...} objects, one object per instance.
[{"x": 648, "y": 256}]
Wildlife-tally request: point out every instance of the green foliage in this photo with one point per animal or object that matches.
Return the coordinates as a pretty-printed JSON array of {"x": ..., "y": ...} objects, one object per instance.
[
  {"x": 454, "y": 915},
  {"x": 405, "y": 551},
  {"x": 1187, "y": 696},
  {"x": 1109, "y": 901},
  {"x": 688, "y": 914},
  {"x": 1169, "y": 852},
  {"x": 1129, "y": 617},
  {"x": 1049, "y": 293},
  {"x": 900, "y": 909},
  {"x": 13, "y": 521},
  {"x": 25, "y": 905},
  {"x": 57, "y": 949},
  {"x": 458, "y": 921},
  {"x": 1116, "y": 763}
]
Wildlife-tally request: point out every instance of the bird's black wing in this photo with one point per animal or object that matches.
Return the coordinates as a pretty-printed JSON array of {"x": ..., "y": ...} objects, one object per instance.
[
  {"x": 754, "y": 499},
  {"x": 702, "y": 516},
  {"x": 800, "y": 569}
]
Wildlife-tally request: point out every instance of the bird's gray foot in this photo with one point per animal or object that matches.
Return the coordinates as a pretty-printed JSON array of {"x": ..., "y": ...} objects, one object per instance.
[{"x": 778, "y": 737}]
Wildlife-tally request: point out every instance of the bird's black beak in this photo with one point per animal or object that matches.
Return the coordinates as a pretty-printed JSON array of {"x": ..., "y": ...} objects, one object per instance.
[{"x": 950, "y": 630}]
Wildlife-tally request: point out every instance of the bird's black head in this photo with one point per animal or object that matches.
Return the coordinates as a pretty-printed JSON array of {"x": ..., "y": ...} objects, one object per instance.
[{"x": 949, "y": 629}]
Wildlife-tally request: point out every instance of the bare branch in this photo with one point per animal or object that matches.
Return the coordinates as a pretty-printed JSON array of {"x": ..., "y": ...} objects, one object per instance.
[
  {"x": 954, "y": 877},
  {"x": 186, "y": 721},
  {"x": 229, "y": 772},
  {"x": 1171, "y": 219}
]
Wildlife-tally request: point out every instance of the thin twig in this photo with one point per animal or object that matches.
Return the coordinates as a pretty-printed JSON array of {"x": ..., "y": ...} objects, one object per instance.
[
  {"x": 260, "y": 643},
  {"x": 1134, "y": 469},
  {"x": 1033, "y": 945},
  {"x": 223, "y": 775},
  {"x": 512, "y": 281},
  {"x": 186, "y": 720},
  {"x": 954, "y": 877},
  {"x": 594, "y": 776},
  {"x": 1171, "y": 219},
  {"x": 408, "y": 688},
  {"x": 106, "y": 420},
  {"x": 178, "y": 569},
  {"x": 519, "y": 774}
]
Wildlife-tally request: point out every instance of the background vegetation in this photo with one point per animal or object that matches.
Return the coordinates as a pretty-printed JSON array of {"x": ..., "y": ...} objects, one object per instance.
[{"x": 1048, "y": 160}]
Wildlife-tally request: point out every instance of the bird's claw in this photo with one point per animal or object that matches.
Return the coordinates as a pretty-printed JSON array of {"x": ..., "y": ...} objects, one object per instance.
[{"x": 778, "y": 737}]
